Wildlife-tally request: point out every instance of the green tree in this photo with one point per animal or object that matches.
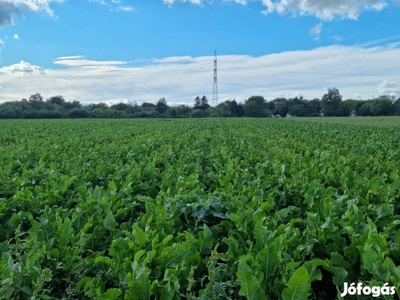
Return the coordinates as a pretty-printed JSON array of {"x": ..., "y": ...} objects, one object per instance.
[
  {"x": 229, "y": 108},
  {"x": 120, "y": 106},
  {"x": 78, "y": 113},
  {"x": 147, "y": 104},
  {"x": 314, "y": 107},
  {"x": 331, "y": 103},
  {"x": 197, "y": 103},
  {"x": 255, "y": 106},
  {"x": 59, "y": 100},
  {"x": 396, "y": 107},
  {"x": 36, "y": 101},
  {"x": 382, "y": 106},
  {"x": 94, "y": 106},
  {"x": 298, "y": 106},
  {"x": 204, "y": 103},
  {"x": 280, "y": 106},
  {"x": 173, "y": 112},
  {"x": 199, "y": 113},
  {"x": 183, "y": 110},
  {"x": 36, "y": 98},
  {"x": 162, "y": 106},
  {"x": 350, "y": 105},
  {"x": 201, "y": 103},
  {"x": 364, "y": 109},
  {"x": 72, "y": 105}
]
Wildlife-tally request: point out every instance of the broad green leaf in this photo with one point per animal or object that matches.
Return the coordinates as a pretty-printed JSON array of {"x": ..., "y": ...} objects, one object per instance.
[
  {"x": 140, "y": 236},
  {"x": 249, "y": 285},
  {"x": 298, "y": 286},
  {"x": 205, "y": 241},
  {"x": 111, "y": 294},
  {"x": 268, "y": 258},
  {"x": 109, "y": 221}
]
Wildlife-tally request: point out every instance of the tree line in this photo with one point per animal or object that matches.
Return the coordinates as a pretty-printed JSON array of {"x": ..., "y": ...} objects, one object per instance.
[{"x": 331, "y": 104}]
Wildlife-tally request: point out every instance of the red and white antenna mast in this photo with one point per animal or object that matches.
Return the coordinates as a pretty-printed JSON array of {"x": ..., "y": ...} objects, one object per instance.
[{"x": 215, "y": 85}]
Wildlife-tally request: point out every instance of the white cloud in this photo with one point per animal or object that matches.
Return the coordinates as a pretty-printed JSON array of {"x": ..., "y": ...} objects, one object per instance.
[
  {"x": 125, "y": 8},
  {"x": 338, "y": 38},
  {"x": 316, "y": 30},
  {"x": 16, "y": 36},
  {"x": 390, "y": 86},
  {"x": 80, "y": 61},
  {"x": 71, "y": 57},
  {"x": 114, "y": 5},
  {"x": 10, "y": 7},
  {"x": 356, "y": 70},
  {"x": 7, "y": 9},
  {"x": 324, "y": 9},
  {"x": 22, "y": 68},
  {"x": 170, "y": 2},
  {"x": 101, "y": 2},
  {"x": 241, "y": 2},
  {"x": 173, "y": 59},
  {"x": 37, "y": 5}
]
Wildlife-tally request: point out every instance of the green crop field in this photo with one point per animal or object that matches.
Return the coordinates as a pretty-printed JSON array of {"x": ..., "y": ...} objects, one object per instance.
[
  {"x": 197, "y": 209},
  {"x": 369, "y": 121}
]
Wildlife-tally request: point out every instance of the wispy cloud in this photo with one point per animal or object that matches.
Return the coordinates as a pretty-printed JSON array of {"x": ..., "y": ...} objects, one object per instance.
[
  {"x": 316, "y": 31},
  {"x": 367, "y": 72},
  {"x": 338, "y": 38},
  {"x": 114, "y": 5},
  {"x": 125, "y": 8},
  {"x": 173, "y": 59},
  {"x": 380, "y": 41},
  {"x": 80, "y": 61},
  {"x": 170, "y": 2}
]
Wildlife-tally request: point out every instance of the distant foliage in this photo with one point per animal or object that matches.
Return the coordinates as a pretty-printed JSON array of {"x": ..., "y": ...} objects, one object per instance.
[{"x": 331, "y": 104}]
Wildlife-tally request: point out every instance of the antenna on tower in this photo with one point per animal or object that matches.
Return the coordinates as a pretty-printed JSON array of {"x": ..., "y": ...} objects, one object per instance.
[{"x": 215, "y": 85}]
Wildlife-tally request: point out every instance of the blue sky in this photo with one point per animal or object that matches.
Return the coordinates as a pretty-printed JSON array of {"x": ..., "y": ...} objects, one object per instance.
[{"x": 134, "y": 51}]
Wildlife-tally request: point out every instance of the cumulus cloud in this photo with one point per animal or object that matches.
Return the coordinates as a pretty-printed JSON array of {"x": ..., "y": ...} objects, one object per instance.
[
  {"x": 367, "y": 72},
  {"x": 16, "y": 36},
  {"x": 390, "y": 86},
  {"x": 22, "y": 68},
  {"x": 7, "y": 9},
  {"x": 10, "y": 7},
  {"x": 324, "y": 9}
]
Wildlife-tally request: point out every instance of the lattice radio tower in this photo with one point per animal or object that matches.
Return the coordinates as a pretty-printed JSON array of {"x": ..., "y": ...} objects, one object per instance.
[{"x": 215, "y": 85}]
